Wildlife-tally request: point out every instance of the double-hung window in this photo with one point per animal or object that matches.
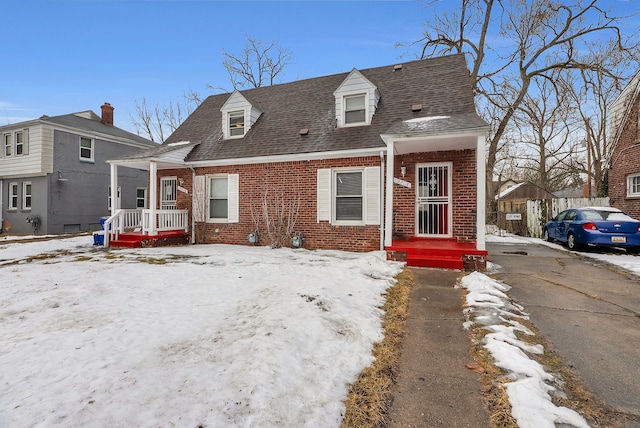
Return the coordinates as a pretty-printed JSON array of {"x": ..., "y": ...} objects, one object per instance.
[
  {"x": 86, "y": 149},
  {"x": 7, "y": 145},
  {"x": 236, "y": 123},
  {"x": 355, "y": 109},
  {"x": 348, "y": 196},
  {"x": 141, "y": 197},
  {"x": 20, "y": 144},
  {"x": 219, "y": 198},
  {"x": 26, "y": 195},
  {"x": 633, "y": 185},
  {"x": 13, "y": 196}
]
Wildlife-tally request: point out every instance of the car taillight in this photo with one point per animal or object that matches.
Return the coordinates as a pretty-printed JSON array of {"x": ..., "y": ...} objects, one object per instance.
[
  {"x": 639, "y": 228},
  {"x": 590, "y": 226}
]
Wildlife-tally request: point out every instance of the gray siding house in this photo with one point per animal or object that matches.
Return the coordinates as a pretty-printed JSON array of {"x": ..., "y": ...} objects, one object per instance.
[{"x": 53, "y": 174}]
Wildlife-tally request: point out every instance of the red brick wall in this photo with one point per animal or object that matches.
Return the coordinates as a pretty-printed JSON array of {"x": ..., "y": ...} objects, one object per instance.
[
  {"x": 625, "y": 160},
  {"x": 463, "y": 189},
  {"x": 301, "y": 178}
]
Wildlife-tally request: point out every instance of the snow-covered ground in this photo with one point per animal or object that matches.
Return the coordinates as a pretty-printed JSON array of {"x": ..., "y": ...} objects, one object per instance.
[{"x": 214, "y": 335}]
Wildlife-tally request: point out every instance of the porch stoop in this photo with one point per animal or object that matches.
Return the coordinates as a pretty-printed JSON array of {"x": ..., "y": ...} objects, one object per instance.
[
  {"x": 162, "y": 239},
  {"x": 438, "y": 253}
]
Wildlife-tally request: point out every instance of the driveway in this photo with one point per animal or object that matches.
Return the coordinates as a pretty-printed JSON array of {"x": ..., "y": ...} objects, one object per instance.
[{"x": 588, "y": 311}]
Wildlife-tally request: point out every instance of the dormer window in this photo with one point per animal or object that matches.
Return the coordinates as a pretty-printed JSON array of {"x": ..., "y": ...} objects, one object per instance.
[
  {"x": 238, "y": 116},
  {"x": 355, "y": 109},
  {"x": 236, "y": 123},
  {"x": 356, "y": 101}
]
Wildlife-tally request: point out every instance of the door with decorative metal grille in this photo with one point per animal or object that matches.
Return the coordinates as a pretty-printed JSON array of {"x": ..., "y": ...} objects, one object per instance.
[
  {"x": 433, "y": 200},
  {"x": 168, "y": 193}
]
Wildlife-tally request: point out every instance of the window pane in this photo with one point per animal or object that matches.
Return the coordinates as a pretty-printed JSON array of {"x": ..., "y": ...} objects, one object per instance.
[
  {"x": 236, "y": 123},
  {"x": 635, "y": 185},
  {"x": 355, "y": 109},
  {"x": 354, "y": 103},
  {"x": 349, "y": 184},
  {"x": 218, "y": 208},
  {"x": 218, "y": 197},
  {"x": 219, "y": 188},
  {"x": 349, "y": 208}
]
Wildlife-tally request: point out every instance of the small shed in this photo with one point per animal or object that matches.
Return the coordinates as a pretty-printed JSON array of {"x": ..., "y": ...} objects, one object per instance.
[{"x": 512, "y": 205}]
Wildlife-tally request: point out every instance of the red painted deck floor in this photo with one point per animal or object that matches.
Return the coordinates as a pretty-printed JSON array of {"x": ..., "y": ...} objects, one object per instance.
[
  {"x": 136, "y": 239},
  {"x": 437, "y": 253}
]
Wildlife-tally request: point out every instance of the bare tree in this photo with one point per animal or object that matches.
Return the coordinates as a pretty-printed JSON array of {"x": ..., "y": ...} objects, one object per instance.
[
  {"x": 259, "y": 64},
  {"x": 158, "y": 122},
  {"x": 531, "y": 38},
  {"x": 546, "y": 125}
]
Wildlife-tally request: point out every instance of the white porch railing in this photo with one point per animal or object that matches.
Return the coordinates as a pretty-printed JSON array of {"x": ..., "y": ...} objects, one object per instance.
[
  {"x": 165, "y": 220},
  {"x": 140, "y": 221}
]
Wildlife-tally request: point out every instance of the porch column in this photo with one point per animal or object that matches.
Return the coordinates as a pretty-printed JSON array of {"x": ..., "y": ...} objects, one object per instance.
[
  {"x": 114, "y": 189},
  {"x": 153, "y": 196},
  {"x": 481, "y": 186},
  {"x": 388, "y": 215}
]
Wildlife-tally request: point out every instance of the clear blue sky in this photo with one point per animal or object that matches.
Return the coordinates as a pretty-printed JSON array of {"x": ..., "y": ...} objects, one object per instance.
[{"x": 64, "y": 56}]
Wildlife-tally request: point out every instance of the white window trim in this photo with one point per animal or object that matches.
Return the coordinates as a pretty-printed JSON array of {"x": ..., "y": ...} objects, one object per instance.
[
  {"x": 367, "y": 121},
  {"x": 144, "y": 204},
  {"x": 24, "y": 143},
  {"x": 92, "y": 149},
  {"x": 25, "y": 194},
  {"x": 244, "y": 126},
  {"x": 10, "y": 205},
  {"x": 371, "y": 202},
  {"x": 232, "y": 198},
  {"x": 109, "y": 198},
  {"x": 630, "y": 192},
  {"x": 334, "y": 196},
  {"x": 5, "y": 145}
]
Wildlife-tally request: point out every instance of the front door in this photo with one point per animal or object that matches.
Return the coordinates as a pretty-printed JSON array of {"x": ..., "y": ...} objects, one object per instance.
[
  {"x": 168, "y": 193},
  {"x": 433, "y": 200}
]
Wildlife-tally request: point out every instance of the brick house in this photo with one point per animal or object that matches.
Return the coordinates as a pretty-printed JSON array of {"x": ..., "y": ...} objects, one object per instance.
[
  {"x": 382, "y": 158},
  {"x": 624, "y": 163}
]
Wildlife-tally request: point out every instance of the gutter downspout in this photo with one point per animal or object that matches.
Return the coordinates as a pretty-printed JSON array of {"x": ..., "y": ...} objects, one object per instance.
[
  {"x": 382, "y": 200},
  {"x": 1, "y": 206},
  {"x": 193, "y": 213}
]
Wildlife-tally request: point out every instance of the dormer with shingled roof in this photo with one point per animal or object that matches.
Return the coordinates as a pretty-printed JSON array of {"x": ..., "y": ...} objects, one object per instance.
[
  {"x": 356, "y": 100},
  {"x": 238, "y": 115}
]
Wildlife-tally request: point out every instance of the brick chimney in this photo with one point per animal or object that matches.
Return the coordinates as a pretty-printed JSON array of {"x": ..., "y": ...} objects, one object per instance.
[{"x": 107, "y": 114}]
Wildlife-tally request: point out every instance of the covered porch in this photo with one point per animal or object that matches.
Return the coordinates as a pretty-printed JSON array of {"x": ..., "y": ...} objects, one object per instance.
[
  {"x": 161, "y": 223},
  {"x": 435, "y": 197}
]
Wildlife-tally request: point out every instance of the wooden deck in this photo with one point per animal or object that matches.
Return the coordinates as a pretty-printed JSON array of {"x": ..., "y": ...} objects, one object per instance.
[{"x": 438, "y": 253}]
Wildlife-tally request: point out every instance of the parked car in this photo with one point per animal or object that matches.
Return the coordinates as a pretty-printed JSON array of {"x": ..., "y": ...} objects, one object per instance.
[{"x": 594, "y": 226}]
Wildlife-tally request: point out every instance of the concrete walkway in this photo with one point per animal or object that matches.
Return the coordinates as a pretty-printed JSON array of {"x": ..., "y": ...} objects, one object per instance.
[{"x": 435, "y": 389}]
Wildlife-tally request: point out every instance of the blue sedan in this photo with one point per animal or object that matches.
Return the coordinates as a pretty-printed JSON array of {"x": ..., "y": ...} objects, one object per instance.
[{"x": 594, "y": 226}]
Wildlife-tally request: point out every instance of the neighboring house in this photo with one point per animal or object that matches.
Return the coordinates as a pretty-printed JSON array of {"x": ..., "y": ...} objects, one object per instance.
[
  {"x": 624, "y": 162},
  {"x": 53, "y": 174},
  {"x": 524, "y": 190},
  {"x": 368, "y": 160}
]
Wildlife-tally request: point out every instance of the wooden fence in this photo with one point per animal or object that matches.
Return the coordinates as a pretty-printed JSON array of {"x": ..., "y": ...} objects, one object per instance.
[{"x": 527, "y": 217}]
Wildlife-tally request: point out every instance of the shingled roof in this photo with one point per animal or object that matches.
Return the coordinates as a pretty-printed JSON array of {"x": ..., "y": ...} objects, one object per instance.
[{"x": 440, "y": 85}]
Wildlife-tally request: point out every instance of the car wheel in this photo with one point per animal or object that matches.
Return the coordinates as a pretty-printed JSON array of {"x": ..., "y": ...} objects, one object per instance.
[
  {"x": 547, "y": 237},
  {"x": 571, "y": 242}
]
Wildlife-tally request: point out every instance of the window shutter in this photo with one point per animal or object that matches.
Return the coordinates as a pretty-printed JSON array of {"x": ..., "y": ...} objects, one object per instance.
[
  {"x": 324, "y": 194},
  {"x": 234, "y": 203},
  {"x": 199, "y": 198},
  {"x": 372, "y": 195},
  {"x": 25, "y": 141}
]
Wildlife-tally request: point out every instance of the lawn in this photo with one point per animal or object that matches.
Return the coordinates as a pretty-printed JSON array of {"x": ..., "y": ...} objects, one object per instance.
[{"x": 209, "y": 335}]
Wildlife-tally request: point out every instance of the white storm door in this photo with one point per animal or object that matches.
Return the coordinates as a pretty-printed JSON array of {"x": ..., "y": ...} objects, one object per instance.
[
  {"x": 433, "y": 200},
  {"x": 168, "y": 193}
]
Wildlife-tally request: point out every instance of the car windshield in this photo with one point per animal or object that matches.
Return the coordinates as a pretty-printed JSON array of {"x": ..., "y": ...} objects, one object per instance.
[{"x": 605, "y": 215}]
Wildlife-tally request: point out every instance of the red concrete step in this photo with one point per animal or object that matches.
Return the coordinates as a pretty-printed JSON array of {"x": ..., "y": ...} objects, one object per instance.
[
  {"x": 435, "y": 261},
  {"x": 126, "y": 243}
]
